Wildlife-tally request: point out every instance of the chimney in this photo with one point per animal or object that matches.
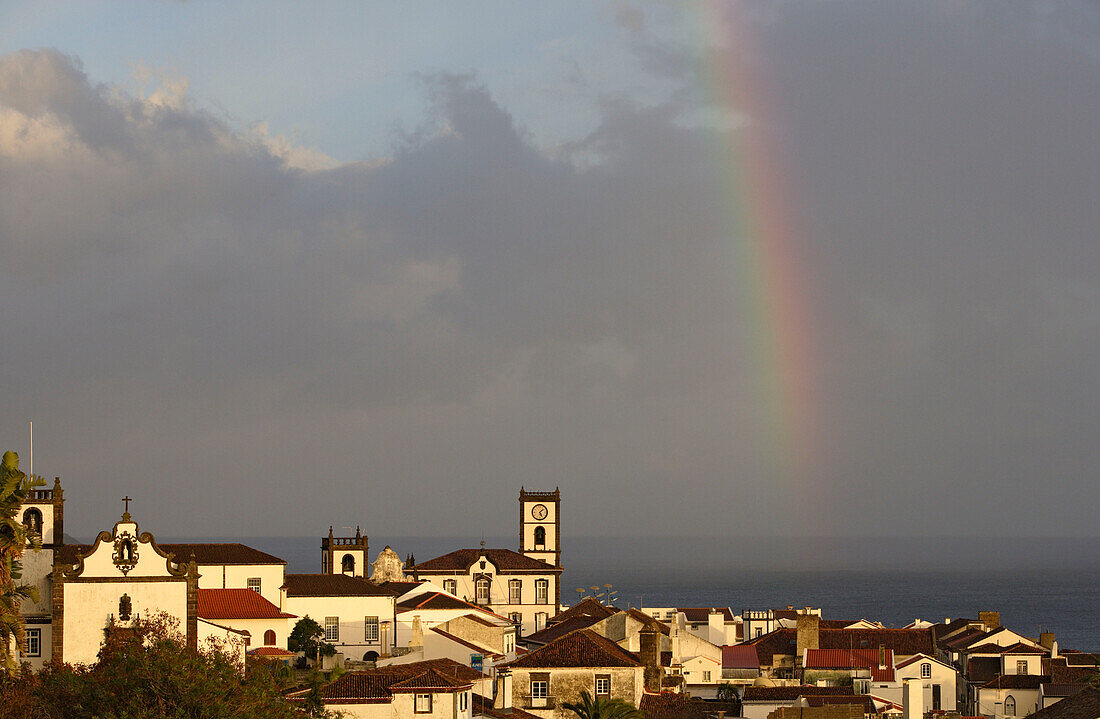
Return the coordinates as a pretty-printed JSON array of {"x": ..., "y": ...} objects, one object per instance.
[
  {"x": 1054, "y": 649},
  {"x": 881, "y": 656},
  {"x": 991, "y": 620},
  {"x": 502, "y": 690},
  {"x": 1046, "y": 640},
  {"x": 912, "y": 699},
  {"x": 806, "y": 634},
  {"x": 417, "y": 638},
  {"x": 674, "y": 639},
  {"x": 716, "y": 627},
  {"x": 650, "y": 655}
]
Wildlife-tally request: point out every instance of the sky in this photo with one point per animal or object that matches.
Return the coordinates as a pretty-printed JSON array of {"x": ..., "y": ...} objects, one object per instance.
[{"x": 772, "y": 268}]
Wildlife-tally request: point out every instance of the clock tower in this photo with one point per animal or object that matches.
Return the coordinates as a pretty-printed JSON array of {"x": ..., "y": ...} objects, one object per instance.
[{"x": 540, "y": 525}]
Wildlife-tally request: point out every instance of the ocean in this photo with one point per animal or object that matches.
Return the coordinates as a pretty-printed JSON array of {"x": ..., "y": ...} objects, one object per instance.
[{"x": 1036, "y": 584}]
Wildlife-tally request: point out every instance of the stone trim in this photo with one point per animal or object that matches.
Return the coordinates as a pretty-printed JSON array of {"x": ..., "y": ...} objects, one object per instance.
[
  {"x": 120, "y": 580},
  {"x": 192, "y": 605},
  {"x": 57, "y": 618}
]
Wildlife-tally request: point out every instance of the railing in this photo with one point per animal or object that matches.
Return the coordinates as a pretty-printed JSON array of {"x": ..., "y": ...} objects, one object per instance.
[
  {"x": 346, "y": 541},
  {"x": 533, "y": 702},
  {"x": 40, "y": 495}
]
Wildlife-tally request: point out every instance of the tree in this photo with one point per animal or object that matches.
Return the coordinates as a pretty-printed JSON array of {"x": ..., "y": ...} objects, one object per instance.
[
  {"x": 599, "y": 708},
  {"x": 147, "y": 670},
  {"x": 14, "y": 488},
  {"x": 308, "y": 637}
]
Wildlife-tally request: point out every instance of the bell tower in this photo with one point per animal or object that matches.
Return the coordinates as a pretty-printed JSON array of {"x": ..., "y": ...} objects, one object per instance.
[
  {"x": 540, "y": 525},
  {"x": 344, "y": 555}
]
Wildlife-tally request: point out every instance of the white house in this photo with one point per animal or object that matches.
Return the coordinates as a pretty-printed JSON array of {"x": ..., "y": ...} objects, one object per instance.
[{"x": 357, "y": 615}]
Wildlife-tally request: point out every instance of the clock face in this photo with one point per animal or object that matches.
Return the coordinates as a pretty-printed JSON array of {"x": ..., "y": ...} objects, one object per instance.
[{"x": 539, "y": 511}]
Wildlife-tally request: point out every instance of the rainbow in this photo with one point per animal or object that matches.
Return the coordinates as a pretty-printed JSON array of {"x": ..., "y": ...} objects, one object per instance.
[{"x": 764, "y": 231}]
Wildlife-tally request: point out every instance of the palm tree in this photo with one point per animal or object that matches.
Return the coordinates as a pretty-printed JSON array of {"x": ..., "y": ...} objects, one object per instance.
[
  {"x": 14, "y": 488},
  {"x": 589, "y": 708}
]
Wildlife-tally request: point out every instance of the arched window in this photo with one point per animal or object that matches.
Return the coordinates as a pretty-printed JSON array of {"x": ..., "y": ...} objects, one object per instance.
[
  {"x": 269, "y": 638},
  {"x": 32, "y": 520},
  {"x": 540, "y": 536},
  {"x": 925, "y": 671},
  {"x": 347, "y": 564},
  {"x": 482, "y": 587},
  {"x": 1010, "y": 706}
]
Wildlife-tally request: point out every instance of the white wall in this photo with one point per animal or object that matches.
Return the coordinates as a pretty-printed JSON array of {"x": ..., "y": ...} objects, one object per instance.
[
  {"x": 89, "y": 605},
  {"x": 236, "y": 576},
  {"x": 351, "y": 611}
]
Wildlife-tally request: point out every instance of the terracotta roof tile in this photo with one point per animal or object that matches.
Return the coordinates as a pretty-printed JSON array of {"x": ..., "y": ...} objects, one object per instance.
[
  {"x": 558, "y": 630},
  {"x": 483, "y": 706},
  {"x": 431, "y": 679},
  {"x": 461, "y": 560},
  {"x": 374, "y": 686},
  {"x": 792, "y": 693},
  {"x": 1015, "y": 681},
  {"x": 586, "y": 608},
  {"x": 583, "y": 648},
  {"x": 740, "y": 656},
  {"x": 981, "y": 669},
  {"x": 1083, "y": 705},
  {"x": 903, "y": 642},
  {"x": 332, "y": 585},
  {"x": 237, "y": 604},
  {"x": 672, "y": 705}
]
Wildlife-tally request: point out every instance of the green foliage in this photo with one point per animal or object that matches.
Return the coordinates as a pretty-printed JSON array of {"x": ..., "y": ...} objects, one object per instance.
[
  {"x": 599, "y": 708},
  {"x": 14, "y": 488},
  {"x": 146, "y": 670},
  {"x": 726, "y": 692},
  {"x": 307, "y": 637}
]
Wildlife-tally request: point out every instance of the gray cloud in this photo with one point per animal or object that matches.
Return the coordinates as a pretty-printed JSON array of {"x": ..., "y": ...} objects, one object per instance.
[{"x": 222, "y": 325}]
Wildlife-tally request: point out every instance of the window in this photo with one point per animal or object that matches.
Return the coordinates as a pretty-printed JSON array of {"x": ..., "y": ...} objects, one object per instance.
[
  {"x": 347, "y": 564},
  {"x": 603, "y": 685},
  {"x": 540, "y": 536},
  {"x": 463, "y": 701},
  {"x": 370, "y": 629},
  {"x": 254, "y": 583},
  {"x": 482, "y": 587},
  {"x": 34, "y": 642},
  {"x": 758, "y": 632},
  {"x": 32, "y": 520},
  {"x": 540, "y": 621},
  {"x": 450, "y": 586},
  {"x": 540, "y": 689},
  {"x": 515, "y": 594},
  {"x": 706, "y": 676},
  {"x": 1010, "y": 706},
  {"x": 423, "y": 704},
  {"x": 542, "y": 591},
  {"x": 926, "y": 671},
  {"x": 1021, "y": 666},
  {"x": 269, "y": 638},
  {"x": 516, "y": 618},
  {"x": 332, "y": 629}
]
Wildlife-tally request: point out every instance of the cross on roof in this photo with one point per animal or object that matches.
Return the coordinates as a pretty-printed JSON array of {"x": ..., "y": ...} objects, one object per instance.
[{"x": 126, "y": 513}]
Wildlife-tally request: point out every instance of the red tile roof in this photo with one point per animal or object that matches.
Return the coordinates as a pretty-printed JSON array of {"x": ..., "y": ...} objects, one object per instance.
[
  {"x": 858, "y": 659},
  {"x": 587, "y": 608},
  {"x": 558, "y": 630},
  {"x": 505, "y": 560},
  {"x": 583, "y": 648},
  {"x": 431, "y": 679},
  {"x": 903, "y": 642},
  {"x": 740, "y": 656},
  {"x": 205, "y": 553},
  {"x": 237, "y": 604},
  {"x": 483, "y": 706},
  {"x": 436, "y": 600},
  {"x": 1015, "y": 681},
  {"x": 792, "y": 693},
  {"x": 1083, "y": 705},
  {"x": 272, "y": 652},
  {"x": 672, "y": 705},
  {"x": 332, "y": 585},
  {"x": 1021, "y": 648},
  {"x": 376, "y": 686}
]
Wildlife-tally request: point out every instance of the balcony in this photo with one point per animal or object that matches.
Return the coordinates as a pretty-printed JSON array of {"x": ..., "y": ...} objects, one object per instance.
[{"x": 531, "y": 702}]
